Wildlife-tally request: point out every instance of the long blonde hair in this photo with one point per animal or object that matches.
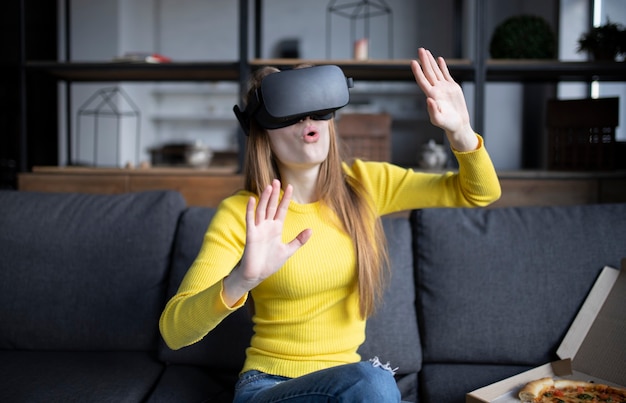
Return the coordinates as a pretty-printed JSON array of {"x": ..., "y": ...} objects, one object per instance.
[{"x": 343, "y": 195}]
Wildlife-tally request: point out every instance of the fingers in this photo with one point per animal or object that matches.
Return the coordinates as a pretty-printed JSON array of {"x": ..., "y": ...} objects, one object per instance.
[
  {"x": 420, "y": 79},
  {"x": 269, "y": 207},
  {"x": 444, "y": 69},
  {"x": 429, "y": 66},
  {"x": 423, "y": 71},
  {"x": 432, "y": 68},
  {"x": 429, "y": 70},
  {"x": 261, "y": 209},
  {"x": 265, "y": 219},
  {"x": 299, "y": 240},
  {"x": 250, "y": 215},
  {"x": 284, "y": 203},
  {"x": 270, "y": 212},
  {"x": 435, "y": 113}
]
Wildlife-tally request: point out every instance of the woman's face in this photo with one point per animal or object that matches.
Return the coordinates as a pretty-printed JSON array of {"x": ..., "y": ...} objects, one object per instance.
[{"x": 303, "y": 144}]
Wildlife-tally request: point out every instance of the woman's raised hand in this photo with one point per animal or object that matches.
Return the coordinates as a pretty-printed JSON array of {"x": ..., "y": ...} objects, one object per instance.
[
  {"x": 265, "y": 252},
  {"x": 445, "y": 101}
]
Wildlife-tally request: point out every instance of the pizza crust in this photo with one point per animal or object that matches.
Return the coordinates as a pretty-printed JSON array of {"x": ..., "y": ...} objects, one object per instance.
[
  {"x": 532, "y": 390},
  {"x": 568, "y": 383}
]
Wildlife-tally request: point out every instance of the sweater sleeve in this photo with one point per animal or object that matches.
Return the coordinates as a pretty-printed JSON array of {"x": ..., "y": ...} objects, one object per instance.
[
  {"x": 198, "y": 306},
  {"x": 396, "y": 189}
]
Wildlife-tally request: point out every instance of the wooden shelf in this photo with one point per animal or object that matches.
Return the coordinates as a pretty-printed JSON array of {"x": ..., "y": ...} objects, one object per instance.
[
  {"x": 207, "y": 187},
  {"x": 375, "y": 70},
  {"x": 463, "y": 69},
  {"x": 200, "y": 187},
  {"x": 553, "y": 71},
  {"x": 389, "y": 70},
  {"x": 392, "y": 70},
  {"x": 151, "y": 171},
  {"x": 111, "y": 71}
]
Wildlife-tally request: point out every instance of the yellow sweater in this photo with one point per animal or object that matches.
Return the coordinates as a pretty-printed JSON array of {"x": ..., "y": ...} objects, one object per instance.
[{"x": 307, "y": 314}]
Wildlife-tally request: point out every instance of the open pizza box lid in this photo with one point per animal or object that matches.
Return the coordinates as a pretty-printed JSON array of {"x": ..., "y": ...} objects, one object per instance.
[{"x": 594, "y": 348}]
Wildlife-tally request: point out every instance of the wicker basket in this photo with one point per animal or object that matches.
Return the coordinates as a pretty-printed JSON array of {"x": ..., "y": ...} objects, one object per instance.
[
  {"x": 366, "y": 136},
  {"x": 581, "y": 134}
]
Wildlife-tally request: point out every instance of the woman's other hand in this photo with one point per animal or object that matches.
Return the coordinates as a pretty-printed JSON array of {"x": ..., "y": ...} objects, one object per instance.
[
  {"x": 265, "y": 252},
  {"x": 445, "y": 101}
]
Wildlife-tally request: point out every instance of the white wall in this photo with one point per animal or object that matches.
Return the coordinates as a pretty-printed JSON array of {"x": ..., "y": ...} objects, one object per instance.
[{"x": 197, "y": 30}]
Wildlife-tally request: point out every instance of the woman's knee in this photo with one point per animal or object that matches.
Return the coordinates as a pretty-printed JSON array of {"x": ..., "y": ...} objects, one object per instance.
[{"x": 378, "y": 380}]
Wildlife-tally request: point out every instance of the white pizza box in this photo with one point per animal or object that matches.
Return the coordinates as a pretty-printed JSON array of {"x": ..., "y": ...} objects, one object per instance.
[{"x": 594, "y": 348}]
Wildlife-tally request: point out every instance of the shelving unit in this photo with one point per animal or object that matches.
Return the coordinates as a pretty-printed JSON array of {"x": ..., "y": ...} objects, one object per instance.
[
  {"x": 114, "y": 71},
  {"x": 207, "y": 187},
  {"x": 480, "y": 71},
  {"x": 207, "y": 117},
  {"x": 372, "y": 70},
  {"x": 553, "y": 71}
]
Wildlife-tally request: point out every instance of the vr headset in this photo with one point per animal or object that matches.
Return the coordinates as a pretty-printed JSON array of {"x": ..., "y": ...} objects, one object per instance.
[{"x": 284, "y": 98}]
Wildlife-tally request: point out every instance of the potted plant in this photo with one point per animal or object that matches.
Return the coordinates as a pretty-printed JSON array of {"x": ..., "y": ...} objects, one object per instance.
[
  {"x": 523, "y": 37},
  {"x": 604, "y": 42}
]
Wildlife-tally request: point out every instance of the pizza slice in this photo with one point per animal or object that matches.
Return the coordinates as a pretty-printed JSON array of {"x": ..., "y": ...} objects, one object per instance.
[{"x": 548, "y": 390}]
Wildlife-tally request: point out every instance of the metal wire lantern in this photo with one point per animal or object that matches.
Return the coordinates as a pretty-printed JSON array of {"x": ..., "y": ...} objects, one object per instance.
[
  {"x": 111, "y": 102},
  {"x": 359, "y": 10}
]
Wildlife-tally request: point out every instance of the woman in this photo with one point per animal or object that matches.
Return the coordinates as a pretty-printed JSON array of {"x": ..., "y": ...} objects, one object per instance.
[{"x": 305, "y": 240}]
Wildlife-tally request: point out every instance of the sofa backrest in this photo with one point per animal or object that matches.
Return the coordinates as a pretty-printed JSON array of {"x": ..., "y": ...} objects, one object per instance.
[
  {"x": 223, "y": 349},
  {"x": 391, "y": 333},
  {"x": 84, "y": 272},
  {"x": 503, "y": 285}
]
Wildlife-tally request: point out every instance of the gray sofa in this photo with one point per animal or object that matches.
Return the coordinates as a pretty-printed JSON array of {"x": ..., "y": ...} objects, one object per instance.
[{"x": 477, "y": 295}]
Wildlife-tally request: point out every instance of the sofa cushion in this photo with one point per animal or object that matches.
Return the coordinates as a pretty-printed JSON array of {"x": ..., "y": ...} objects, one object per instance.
[
  {"x": 189, "y": 383},
  {"x": 391, "y": 334},
  {"x": 436, "y": 385},
  {"x": 408, "y": 386},
  {"x": 47, "y": 376},
  {"x": 224, "y": 347},
  {"x": 84, "y": 271},
  {"x": 503, "y": 285}
]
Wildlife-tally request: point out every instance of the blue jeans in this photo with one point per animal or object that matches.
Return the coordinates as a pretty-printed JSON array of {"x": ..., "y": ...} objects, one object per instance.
[{"x": 359, "y": 382}]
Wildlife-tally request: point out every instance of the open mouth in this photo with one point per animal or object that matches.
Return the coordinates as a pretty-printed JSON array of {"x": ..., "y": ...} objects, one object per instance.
[{"x": 311, "y": 135}]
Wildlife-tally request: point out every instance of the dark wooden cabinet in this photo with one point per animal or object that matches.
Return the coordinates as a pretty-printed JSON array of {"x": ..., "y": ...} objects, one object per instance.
[{"x": 209, "y": 187}]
